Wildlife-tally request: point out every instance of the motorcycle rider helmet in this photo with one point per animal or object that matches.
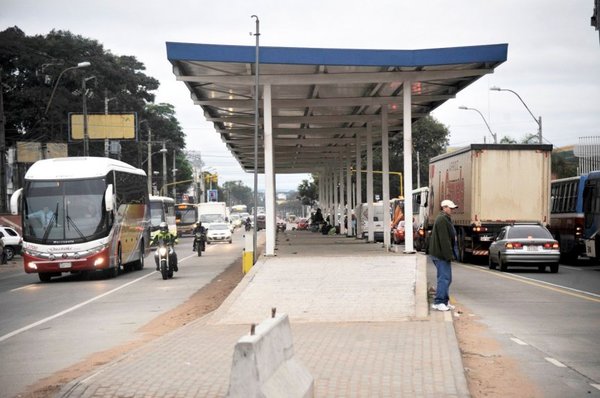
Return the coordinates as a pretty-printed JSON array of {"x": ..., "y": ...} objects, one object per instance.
[{"x": 163, "y": 227}]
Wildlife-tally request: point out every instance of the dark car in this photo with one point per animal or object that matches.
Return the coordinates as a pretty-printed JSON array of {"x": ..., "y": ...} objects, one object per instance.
[
  {"x": 260, "y": 222},
  {"x": 524, "y": 245}
]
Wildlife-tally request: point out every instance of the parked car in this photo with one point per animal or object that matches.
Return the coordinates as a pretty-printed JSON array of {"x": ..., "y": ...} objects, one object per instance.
[
  {"x": 524, "y": 245},
  {"x": 302, "y": 223},
  {"x": 218, "y": 232},
  {"x": 13, "y": 242}
]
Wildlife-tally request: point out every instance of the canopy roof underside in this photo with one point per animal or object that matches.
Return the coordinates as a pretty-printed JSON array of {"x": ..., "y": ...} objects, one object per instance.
[{"x": 320, "y": 98}]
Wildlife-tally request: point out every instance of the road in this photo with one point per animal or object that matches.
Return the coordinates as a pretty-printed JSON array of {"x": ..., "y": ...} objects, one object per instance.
[
  {"x": 549, "y": 322},
  {"x": 45, "y": 327}
]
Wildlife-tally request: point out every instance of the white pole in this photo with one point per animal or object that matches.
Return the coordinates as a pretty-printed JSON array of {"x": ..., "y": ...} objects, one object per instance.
[
  {"x": 370, "y": 210},
  {"x": 408, "y": 222},
  {"x": 269, "y": 173},
  {"x": 385, "y": 168}
]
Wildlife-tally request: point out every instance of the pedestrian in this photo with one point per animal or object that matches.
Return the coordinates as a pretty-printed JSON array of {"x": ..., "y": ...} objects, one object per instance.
[{"x": 442, "y": 249}]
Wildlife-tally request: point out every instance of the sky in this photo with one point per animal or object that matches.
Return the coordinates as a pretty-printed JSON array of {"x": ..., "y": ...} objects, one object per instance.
[{"x": 553, "y": 54}]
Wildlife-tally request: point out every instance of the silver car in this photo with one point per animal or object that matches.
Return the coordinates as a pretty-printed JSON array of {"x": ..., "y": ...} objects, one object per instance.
[{"x": 524, "y": 245}]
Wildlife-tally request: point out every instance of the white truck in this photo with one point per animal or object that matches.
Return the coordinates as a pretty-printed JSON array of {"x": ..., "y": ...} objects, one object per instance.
[
  {"x": 212, "y": 212},
  {"x": 493, "y": 185}
]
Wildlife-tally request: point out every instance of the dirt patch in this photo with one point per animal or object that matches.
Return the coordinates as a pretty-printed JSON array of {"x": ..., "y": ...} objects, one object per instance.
[
  {"x": 204, "y": 301},
  {"x": 490, "y": 373}
]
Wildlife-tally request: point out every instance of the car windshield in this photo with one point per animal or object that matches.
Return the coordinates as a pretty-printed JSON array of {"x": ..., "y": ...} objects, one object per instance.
[
  {"x": 528, "y": 232},
  {"x": 219, "y": 227}
]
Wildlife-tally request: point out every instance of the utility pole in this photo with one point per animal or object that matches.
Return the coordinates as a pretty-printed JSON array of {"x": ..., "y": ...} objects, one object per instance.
[
  {"x": 3, "y": 207},
  {"x": 174, "y": 176},
  {"x": 164, "y": 176},
  {"x": 149, "y": 160}
]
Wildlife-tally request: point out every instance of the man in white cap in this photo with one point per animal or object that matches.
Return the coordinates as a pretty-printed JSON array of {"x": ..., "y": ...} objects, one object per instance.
[{"x": 441, "y": 251}]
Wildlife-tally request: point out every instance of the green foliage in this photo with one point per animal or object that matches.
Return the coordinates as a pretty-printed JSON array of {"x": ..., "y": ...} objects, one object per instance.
[
  {"x": 308, "y": 192},
  {"x": 237, "y": 193},
  {"x": 564, "y": 164},
  {"x": 31, "y": 67}
]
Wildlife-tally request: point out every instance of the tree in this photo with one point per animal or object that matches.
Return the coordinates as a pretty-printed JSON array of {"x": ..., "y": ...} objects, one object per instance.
[
  {"x": 308, "y": 193},
  {"x": 238, "y": 193}
]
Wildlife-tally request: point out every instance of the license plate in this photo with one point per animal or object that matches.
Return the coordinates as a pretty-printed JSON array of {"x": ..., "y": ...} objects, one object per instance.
[
  {"x": 534, "y": 248},
  {"x": 64, "y": 265}
]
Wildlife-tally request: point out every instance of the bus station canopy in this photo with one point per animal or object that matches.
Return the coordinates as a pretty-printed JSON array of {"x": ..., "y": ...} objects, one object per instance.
[{"x": 320, "y": 99}]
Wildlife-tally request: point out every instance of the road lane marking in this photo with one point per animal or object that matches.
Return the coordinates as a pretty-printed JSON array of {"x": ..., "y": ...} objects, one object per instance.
[
  {"x": 555, "y": 362},
  {"x": 518, "y": 341},
  {"x": 573, "y": 268},
  {"x": 596, "y": 386},
  {"x": 546, "y": 285},
  {"x": 75, "y": 307},
  {"x": 24, "y": 287}
]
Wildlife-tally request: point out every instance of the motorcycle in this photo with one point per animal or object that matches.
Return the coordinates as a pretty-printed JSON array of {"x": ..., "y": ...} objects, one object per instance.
[
  {"x": 166, "y": 258},
  {"x": 199, "y": 242}
]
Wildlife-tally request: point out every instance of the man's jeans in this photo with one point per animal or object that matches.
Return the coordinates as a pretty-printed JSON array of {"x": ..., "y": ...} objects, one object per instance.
[{"x": 444, "y": 279}]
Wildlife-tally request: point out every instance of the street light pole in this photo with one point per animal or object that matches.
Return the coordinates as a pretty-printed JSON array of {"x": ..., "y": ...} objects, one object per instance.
[
  {"x": 164, "y": 159},
  {"x": 84, "y": 64},
  {"x": 86, "y": 138},
  {"x": 537, "y": 120},
  {"x": 485, "y": 121},
  {"x": 256, "y": 92}
]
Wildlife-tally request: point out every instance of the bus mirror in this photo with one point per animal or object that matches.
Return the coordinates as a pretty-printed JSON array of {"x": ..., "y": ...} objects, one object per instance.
[
  {"x": 15, "y": 199},
  {"x": 108, "y": 198}
]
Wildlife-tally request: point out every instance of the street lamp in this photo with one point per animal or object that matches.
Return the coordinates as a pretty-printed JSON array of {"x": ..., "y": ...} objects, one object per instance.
[
  {"x": 84, "y": 64},
  {"x": 537, "y": 120},
  {"x": 485, "y": 121}
]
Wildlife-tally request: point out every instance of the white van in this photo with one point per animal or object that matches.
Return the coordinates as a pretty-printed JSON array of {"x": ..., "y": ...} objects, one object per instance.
[{"x": 363, "y": 219}]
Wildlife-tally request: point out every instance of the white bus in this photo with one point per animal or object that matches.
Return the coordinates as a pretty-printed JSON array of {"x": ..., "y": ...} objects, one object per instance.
[
  {"x": 162, "y": 209},
  {"x": 83, "y": 214}
]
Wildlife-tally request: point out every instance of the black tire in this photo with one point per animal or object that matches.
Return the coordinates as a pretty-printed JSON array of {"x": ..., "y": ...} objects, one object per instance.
[
  {"x": 139, "y": 264},
  {"x": 502, "y": 264},
  {"x": 164, "y": 272},
  {"x": 554, "y": 268},
  {"x": 9, "y": 252},
  {"x": 44, "y": 276},
  {"x": 199, "y": 250},
  {"x": 542, "y": 268},
  {"x": 491, "y": 264}
]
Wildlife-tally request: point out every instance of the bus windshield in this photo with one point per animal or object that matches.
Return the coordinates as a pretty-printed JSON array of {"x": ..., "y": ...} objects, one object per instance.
[
  {"x": 69, "y": 211},
  {"x": 186, "y": 215}
]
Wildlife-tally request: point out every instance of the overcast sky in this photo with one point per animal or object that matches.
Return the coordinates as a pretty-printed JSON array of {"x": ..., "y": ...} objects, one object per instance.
[{"x": 553, "y": 53}]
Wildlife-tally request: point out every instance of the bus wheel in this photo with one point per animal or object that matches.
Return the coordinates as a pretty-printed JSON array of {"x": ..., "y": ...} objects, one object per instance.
[
  {"x": 44, "y": 276},
  {"x": 139, "y": 264},
  {"x": 114, "y": 272}
]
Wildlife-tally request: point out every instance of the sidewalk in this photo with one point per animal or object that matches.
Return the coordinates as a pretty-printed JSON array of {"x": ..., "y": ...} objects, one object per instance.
[{"x": 359, "y": 319}]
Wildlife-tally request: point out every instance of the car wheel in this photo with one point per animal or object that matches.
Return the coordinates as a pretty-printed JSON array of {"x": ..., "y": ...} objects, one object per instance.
[
  {"x": 230, "y": 241},
  {"x": 554, "y": 268},
  {"x": 502, "y": 264},
  {"x": 9, "y": 252},
  {"x": 44, "y": 276},
  {"x": 491, "y": 264}
]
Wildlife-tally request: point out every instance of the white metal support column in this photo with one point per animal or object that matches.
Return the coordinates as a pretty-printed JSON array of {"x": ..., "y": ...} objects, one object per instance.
[
  {"x": 408, "y": 211},
  {"x": 370, "y": 211},
  {"x": 269, "y": 173},
  {"x": 336, "y": 201},
  {"x": 349, "y": 230},
  {"x": 342, "y": 196},
  {"x": 358, "y": 175},
  {"x": 385, "y": 168}
]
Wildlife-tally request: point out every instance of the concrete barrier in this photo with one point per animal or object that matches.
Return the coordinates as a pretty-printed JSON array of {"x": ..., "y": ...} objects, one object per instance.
[{"x": 264, "y": 364}]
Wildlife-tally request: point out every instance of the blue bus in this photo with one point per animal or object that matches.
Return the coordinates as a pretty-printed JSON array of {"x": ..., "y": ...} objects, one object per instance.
[
  {"x": 591, "y": 214},
  {"x": 575, "y": 214}
]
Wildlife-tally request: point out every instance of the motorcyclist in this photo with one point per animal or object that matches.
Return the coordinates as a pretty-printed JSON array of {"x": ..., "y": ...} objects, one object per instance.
[
  {"x": 248, "y": 223},
  {"x": 169, "y": 239},
  {"x": 198, "y": 228}
]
